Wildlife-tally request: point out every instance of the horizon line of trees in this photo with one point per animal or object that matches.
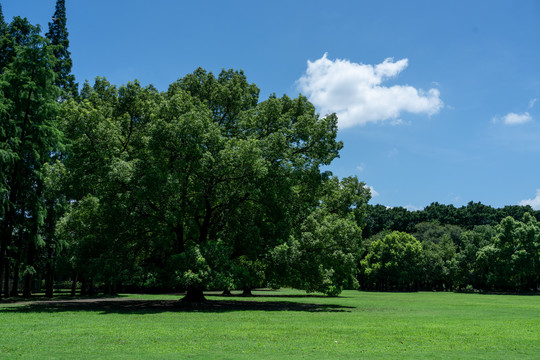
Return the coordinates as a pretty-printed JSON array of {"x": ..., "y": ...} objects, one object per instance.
[
  {"x": 471, "y": 248},
  {"x": 204, "y": 186}
]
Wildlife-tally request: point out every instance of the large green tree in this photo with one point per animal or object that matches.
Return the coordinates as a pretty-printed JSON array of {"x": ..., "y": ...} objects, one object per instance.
[
  {"x": 28, "y": 110},
  {"x": 215, "y": 157},
  {"x": 393, "y": 263}
]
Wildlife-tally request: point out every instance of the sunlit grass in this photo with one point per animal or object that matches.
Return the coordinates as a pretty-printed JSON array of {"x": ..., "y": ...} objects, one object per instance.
[{"x": 291, "y": 325}]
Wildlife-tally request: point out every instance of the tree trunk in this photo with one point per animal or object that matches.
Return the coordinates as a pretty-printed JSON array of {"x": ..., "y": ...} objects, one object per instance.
[
  {"x": 6, "y": 235},
  {"x": 2, "y": 261},
  {"x": 3, "y": 258},
  {"x": 27, "y": 284},
  {"x": 247, "y": 292},
  {"x": 226, "y": 292},
  {"x": 91, "y": 287},
  {"x": 83, "y": 287},
  {"x": 6, "y": 238},
  {"x": 74, "y": 285},
  {"x": 27, "y": 290},
  {"x": 49, "y": 281},
  {"x": 6, "y": 278},
  {"x": 194, "y": 295},
  {"x": 15, "y": 283},
  {"x": 49, "y": 274}
]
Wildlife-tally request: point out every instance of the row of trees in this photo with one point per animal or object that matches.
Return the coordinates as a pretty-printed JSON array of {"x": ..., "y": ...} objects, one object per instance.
[
  {"x": 200, "y": 186},
  {"x": 380, "y": 218},
  {"x": 204, "y": 186},
  {"x": 501, "y": 257}
]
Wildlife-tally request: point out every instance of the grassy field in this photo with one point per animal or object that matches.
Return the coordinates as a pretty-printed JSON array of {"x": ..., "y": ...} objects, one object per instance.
[{"x": 276, "y": 324}]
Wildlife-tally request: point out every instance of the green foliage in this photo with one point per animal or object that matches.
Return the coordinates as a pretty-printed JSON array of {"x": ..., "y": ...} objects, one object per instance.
[
  {"x": 511, "y": 261},
  {"x": 58, "y": 36},
  {"x": 468, "y": 270},
  {"x": 439, "y": 244},
  {"x": 379, "y": 217},
  {"x": 199, "y": 182},
  {"x": 29, "y": 135},
  {"x": 107, "y": 131},
  {"x": 323, "y": 254},
  {"x": 203, "y": 186},
  {"x": 393, "y": 262}
]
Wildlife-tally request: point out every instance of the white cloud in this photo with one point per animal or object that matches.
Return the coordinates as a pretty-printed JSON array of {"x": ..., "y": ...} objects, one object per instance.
[
  {"x": 373, "y": 192},
  {"x": 360, "y": 167},
  {"x": 516, "y": 119},
  {"x": 535, "y": 203},
  {"x": 354, "y": 92},
  {"x": 532, "y": 102},
  {"x": 412, "y": 207}
]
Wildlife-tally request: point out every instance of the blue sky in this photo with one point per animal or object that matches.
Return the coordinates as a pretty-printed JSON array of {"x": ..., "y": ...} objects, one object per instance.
[{"x": 436, "y": 99}]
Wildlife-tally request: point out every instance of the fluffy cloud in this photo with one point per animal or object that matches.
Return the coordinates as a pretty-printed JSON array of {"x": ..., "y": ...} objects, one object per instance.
[
  {"x": 373, "y": 192},
  {"x": 535, "y": 203},
  {"x": 354, "y": 91},
  {"x": 515, "y": 119}
]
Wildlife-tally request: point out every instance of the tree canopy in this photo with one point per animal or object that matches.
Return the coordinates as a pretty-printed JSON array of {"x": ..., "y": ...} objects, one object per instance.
[{"x": 207, "y": 186}]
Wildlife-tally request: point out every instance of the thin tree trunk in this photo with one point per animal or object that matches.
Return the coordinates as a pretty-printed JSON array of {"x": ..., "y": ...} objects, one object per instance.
[
  {"x": 6, "y": 238},
  {"x": 2, "y": 261},
  {"x": 49, "y": 274},
  {"x": 84, "y": 287},
  {"x": 15, "y": 283},
  {"x": 6, "y": 278},
  {"x": 49, "y": 281},
  {"x": 91, "y": 287},
  {"x": 74, "y": 285},
  {"x": 27, "y": 290}
]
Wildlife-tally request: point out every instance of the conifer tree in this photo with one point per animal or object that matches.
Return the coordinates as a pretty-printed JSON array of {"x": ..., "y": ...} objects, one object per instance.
[
  {"x": 4, "y": 42},
  {"x": 28, "y": 135},
  {"x": 3, "y": 25},
  {"x": 58, "y": 35}
]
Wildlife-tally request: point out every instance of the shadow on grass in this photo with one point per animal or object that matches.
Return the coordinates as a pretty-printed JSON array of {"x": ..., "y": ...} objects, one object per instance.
[
  {"x": 284, "y": 296},
  {"x": 127, "y": 306}
]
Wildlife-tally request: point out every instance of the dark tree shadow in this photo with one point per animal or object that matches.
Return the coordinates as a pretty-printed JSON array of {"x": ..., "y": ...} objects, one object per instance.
[
  {"x": 126, "y": 306},
  {"x": 284, "y": 296}
]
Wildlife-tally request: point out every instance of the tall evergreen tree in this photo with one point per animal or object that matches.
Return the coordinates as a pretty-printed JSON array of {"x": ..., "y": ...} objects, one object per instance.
[
  {"x": 3, "y": 25},
  {"x": 58, "y": 35},
  {"x": 28, "y": 110},
  {"x": 4, "y": 41}
]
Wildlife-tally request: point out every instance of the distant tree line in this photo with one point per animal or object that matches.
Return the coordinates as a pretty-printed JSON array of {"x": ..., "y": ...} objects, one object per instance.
[{"x": 474, "y": 247}]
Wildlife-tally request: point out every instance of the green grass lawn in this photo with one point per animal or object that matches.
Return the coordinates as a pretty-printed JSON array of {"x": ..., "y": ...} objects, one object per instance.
[{"x": 277, "y": 324}]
